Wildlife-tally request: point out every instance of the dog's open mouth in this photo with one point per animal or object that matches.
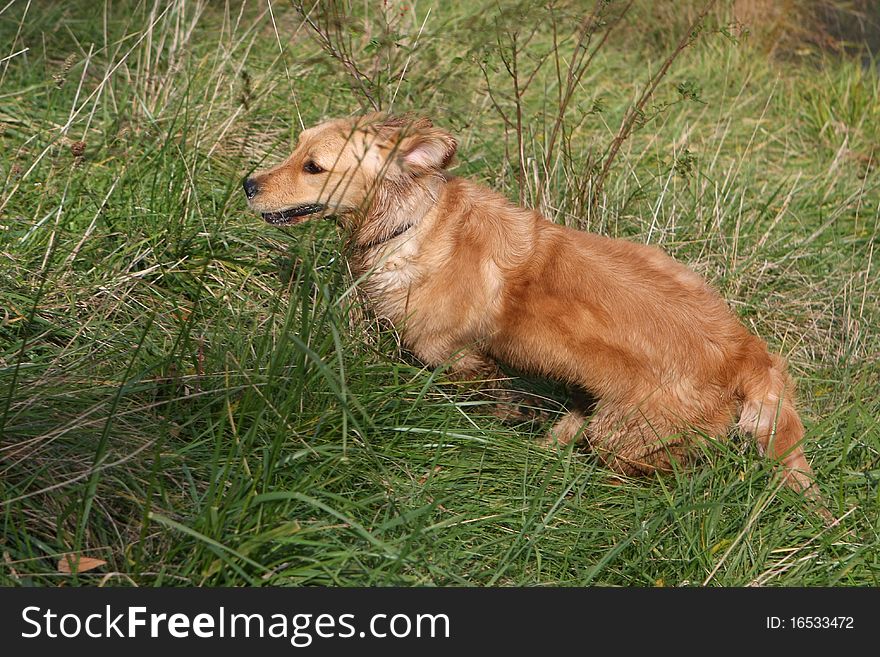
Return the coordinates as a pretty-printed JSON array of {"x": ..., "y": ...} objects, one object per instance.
[{"x": 292, "y": 216}]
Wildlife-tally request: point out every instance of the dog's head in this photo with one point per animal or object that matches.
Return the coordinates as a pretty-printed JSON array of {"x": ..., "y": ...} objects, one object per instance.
[{"x": 338, "y": 167}]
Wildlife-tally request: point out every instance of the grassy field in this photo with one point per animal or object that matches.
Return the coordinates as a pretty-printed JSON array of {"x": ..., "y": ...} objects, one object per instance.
[{"x": 196, "y": 398}]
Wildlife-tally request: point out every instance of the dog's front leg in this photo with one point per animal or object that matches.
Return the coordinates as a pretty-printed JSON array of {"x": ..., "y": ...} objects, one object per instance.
[
  {"x": 469, "y": 365},
  {"x": 571, "y": 427}
]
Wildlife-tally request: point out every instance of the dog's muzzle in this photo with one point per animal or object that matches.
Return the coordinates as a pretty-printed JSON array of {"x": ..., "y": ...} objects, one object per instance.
[{"x": 290, "y": 216}]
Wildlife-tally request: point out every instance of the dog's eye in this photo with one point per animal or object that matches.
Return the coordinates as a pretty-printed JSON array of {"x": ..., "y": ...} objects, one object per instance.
[{"x": 311, "y": 167}]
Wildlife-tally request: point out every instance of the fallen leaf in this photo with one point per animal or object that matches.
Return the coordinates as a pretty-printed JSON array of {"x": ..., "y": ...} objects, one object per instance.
[
  {"x": 71, "y": 563},
  {"x": 424, "y": 478}
]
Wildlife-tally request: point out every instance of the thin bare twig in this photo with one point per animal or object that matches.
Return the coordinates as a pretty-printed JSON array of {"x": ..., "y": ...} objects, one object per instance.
[
  {"x": 333, "y": 47},
  {"x": 637, "y": 109},
  {"x": 580, "y": 63}
]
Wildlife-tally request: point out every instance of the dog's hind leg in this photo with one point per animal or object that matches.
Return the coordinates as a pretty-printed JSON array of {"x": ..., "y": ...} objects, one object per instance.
[{"x": 630, "y": 443}]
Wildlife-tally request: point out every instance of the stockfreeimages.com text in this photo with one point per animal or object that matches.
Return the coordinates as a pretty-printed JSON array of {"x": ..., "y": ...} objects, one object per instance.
[{"x": 300, "y": 629}]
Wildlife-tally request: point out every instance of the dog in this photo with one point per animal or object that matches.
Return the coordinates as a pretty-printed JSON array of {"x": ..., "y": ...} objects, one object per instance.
[{"x": 470, "y": 280}]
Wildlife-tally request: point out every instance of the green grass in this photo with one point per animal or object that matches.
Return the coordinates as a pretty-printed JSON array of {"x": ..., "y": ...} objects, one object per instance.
[{"x": 200, "y": 399}]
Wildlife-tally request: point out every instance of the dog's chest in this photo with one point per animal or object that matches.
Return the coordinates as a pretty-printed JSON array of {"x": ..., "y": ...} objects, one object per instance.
[{"x": 392, "y": 273}]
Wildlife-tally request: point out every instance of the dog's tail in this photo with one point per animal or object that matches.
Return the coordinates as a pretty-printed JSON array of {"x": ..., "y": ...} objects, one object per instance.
[{"x": 769, "y": 415}]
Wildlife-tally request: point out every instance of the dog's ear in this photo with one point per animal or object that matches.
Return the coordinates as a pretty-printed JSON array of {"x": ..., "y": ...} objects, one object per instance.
[
  {"x": 424, "y": 148},
  {"x": 372, "y": 121},
  {"x": 419, "y": 146}
]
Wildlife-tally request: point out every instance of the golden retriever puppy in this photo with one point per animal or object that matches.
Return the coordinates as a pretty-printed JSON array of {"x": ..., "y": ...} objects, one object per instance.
[{"x": 469, "y": 279}]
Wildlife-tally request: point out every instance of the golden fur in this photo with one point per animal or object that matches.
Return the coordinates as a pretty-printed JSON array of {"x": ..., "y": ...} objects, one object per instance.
[{"x": 469, "y": 278}]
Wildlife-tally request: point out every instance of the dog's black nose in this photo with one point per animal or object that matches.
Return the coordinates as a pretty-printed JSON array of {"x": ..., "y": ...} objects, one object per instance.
[{"x": 250, "y": 187}]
